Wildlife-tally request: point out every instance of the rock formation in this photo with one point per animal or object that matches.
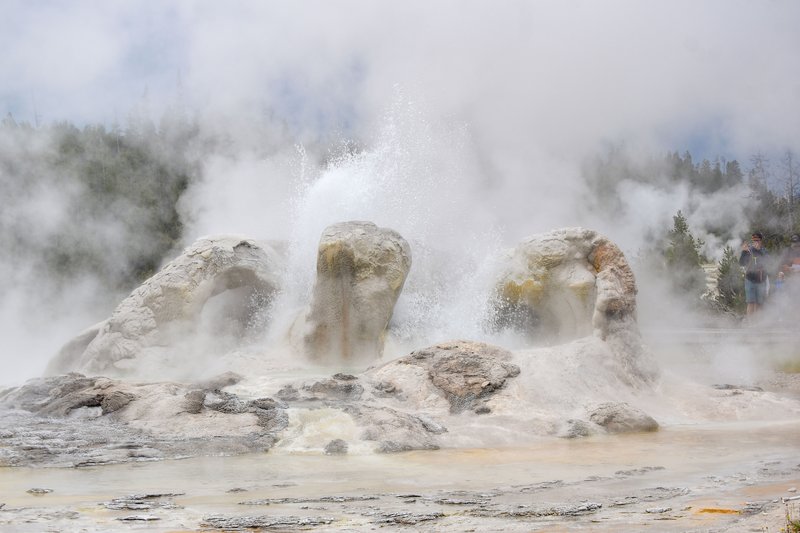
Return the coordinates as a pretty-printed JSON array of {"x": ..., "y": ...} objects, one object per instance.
[
  {"x": 75, "y": 420},
  {"x": 386, "y": 426},
  {"x": 571, "y": 283},
  {"x": 570, "y": 292},
  {"x": 463, "y": 373},
  {"x": 224, "y": 282},
  {"x": 619, "y": 417},
  {"x": 361, "y": 269}
]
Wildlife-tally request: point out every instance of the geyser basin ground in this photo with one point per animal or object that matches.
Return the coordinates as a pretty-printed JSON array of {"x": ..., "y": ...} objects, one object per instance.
[
  {"x": 695, "y": 475},
  {"x": 724, "y": 477}
]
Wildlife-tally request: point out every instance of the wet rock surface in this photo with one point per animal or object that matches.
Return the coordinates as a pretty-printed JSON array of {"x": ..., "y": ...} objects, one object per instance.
[
  {"x": 598, "y": 503},
  {"x": 336, "y": 447},
  {"x": 393, "y": 430},
  {"x": 418, "y": 402},
  {"x": 74, "y": 420},
  {"x": 619, "y": 417},
  {"x": 466, "y": 372},
  {"x": 532, "y": 511},
  {"x": 141, "y": 502},
  {"x": 282, "y": 523},
  {"x": 139, "y": 518},
  {"x": 320, "y": 499},
  {"x": 573, "y": 428},
  {"x": 336, "y": 389},
  {"x": 406, "y": 519}
]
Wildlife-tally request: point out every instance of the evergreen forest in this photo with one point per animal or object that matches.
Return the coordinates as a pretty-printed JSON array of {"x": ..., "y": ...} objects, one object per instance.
[{"x": 105, "y": 203}]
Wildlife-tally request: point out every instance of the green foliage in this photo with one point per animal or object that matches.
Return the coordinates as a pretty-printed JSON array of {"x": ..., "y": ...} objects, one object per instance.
[
  {"x": 730, "y": 282},
  {"x": 769, "y": 204},
  {"x": 792, "y": 519},
  {"x": 774, "y": 208},
  {"x": 773, "y": 196},
  {"x": 94, "y": 203},
  {"x": 606, "y": 175},
  {"x": 682, "y": 258}
]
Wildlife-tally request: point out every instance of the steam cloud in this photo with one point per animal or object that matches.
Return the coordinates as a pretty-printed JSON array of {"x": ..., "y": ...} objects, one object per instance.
[{"x": 474, "y": 117}]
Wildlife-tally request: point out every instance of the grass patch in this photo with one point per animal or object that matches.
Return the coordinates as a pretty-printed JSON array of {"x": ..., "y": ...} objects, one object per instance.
[
  {"x": 792, "y": 519},
  {"x": 790, "y": 367}
]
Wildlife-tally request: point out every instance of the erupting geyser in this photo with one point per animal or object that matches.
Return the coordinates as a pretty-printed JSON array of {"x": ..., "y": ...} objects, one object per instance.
[{"x": 569, "y": 295}]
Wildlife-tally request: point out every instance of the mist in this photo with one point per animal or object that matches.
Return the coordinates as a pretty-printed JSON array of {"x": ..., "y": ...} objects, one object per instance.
[{"x": 464, "y": 126}]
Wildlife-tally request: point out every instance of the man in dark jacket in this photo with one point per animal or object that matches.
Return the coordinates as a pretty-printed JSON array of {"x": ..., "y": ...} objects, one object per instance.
[{"x": 755, "y": 261}]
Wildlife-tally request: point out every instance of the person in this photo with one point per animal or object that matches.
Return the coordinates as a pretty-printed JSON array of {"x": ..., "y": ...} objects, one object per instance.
[
  {"x": 790, "y": 269},
  {"x": 790, "y": 261},
  {"x": 755, "y": 260},
  {"x": 779, "y": 279}
]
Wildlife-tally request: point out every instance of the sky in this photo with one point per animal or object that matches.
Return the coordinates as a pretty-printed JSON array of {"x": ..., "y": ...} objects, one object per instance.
[
  {"x": 475, "y": 116},
  {"x": 538, "y": 85},
  {"x": 720, "y": 75}
]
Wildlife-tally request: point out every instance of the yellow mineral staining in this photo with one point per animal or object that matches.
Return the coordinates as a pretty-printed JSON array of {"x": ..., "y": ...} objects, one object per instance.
[
  {"x": 330, "y": 253},
  {"x": 529, "y": 291},
  {"x": 583, "y": 291},
  {"x": 718, "y": 510},
  {"x": 604, "y": 254},
  {"x": 544, "y": 262},
  {"x": 607, "y": 256},
  {"x": 397, "y": 281}
]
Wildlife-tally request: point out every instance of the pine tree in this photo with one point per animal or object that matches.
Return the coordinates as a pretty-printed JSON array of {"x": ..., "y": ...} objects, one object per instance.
[
  {"x": 733, "y": 173},
  {"x": 682, "y": 258},
  {"x": 765, "y": 209},
  {"x": 791, "y": 176},
  {"x": 730, "y": 282},
  {"x": 117, "y": 210}
]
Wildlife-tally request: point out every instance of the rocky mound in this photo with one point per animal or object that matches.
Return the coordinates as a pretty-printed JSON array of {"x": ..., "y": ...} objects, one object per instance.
[
  {"x": 220, "y": 284},
  {"x": 571, "y": 283},
  {"x": 463, "y": 374},
  {"x": 570, "y": 292},
  {"x": 74, "y": 420},
  {"x": 361, "y": 269}
]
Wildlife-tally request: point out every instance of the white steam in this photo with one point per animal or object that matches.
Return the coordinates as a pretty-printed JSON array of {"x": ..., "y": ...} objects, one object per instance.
[{"x": 499, "y": 104}]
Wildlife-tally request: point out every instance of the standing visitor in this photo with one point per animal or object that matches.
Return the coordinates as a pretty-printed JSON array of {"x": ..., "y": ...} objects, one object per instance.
[
  {"x": 790, "y": 269},
  {"x": 754, "y": 259},
  {"x": 778, "y": 287},
  {"x": 790, "y": 262}
]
